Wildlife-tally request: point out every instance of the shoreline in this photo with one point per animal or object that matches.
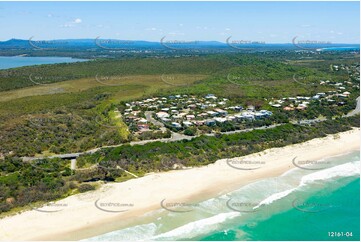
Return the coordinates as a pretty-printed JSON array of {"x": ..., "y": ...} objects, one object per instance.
[{"x": 81, "y": 219}]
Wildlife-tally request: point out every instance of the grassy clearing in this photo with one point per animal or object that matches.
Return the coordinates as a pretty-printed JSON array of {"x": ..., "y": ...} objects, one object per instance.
[{"x": 116, "y": 82}]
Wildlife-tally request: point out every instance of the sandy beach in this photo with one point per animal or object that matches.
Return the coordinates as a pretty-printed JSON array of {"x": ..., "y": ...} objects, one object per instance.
[{"x": 113, "y": 205}]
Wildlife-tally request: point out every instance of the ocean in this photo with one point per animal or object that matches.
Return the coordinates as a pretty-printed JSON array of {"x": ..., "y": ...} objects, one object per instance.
[
  {"x": 301, "y": 204},
  {"x": 7, "y": 62},
  {"x": 348, "y": 48}
]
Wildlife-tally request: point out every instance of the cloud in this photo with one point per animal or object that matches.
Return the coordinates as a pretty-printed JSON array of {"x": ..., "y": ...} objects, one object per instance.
[
  {"x": 151, "y": 29},
  {"x": 72, "y": 23},
  {"x": 77, "y": 21}
]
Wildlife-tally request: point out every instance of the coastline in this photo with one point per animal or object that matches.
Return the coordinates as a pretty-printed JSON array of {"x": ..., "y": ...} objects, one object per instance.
[{"x": 82, "y": 219}]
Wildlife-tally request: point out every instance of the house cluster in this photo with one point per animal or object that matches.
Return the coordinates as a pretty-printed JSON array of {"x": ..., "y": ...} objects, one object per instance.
[
  {"x": 301, "y": 102},
  {"x": 182, "y": 111},
  {"x": 352, "y": 70}
]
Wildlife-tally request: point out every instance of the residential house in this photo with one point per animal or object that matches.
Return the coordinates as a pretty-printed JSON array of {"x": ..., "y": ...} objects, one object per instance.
[
  {"x": 187, "y": 123},
  {"x": 210, "y": 122},
  {"x": 176, "y": 125},
  {"x": 162, "y": 115}
]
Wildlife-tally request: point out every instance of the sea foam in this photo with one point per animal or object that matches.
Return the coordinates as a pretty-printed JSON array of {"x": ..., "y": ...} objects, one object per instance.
[
  {"x": 194, "y": 228},
  {"x": 136, "y": 233},
  {"x": 344, "y": 170}
]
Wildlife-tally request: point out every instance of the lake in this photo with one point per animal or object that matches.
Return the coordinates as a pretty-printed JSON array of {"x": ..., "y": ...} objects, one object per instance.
[{"x": 7, "y": 62}]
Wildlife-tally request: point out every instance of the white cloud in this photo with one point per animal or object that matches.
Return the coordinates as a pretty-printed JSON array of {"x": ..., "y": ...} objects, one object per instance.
[
  {"x": 72, "y": 23},
  {"x": 77, "y": 21}
]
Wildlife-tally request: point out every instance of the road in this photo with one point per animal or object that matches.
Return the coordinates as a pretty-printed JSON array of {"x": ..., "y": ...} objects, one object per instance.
[
  {"x": 149, "y": 117},
  {"x": 178, "y": 136},
  {"x": 173, "y": 138}
]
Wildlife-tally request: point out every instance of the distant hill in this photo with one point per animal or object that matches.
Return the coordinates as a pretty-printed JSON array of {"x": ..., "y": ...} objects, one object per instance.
[
  {"x": 103, "y": 43},
  {"x": 163, "y": 44}
]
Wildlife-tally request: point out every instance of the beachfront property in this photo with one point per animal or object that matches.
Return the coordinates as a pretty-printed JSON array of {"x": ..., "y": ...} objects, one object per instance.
[
  {"x": 209, "y": 112},
  {"x": 183, "y": 111},
  {"x": 302, "y": 102}
]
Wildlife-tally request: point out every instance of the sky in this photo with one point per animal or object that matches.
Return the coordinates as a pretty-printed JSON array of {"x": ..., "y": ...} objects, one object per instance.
[{"x": 269, "y": 22}]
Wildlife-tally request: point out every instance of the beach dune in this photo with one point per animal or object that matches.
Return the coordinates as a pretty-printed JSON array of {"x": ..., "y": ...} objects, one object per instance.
[{"x": 117, "y": 204}]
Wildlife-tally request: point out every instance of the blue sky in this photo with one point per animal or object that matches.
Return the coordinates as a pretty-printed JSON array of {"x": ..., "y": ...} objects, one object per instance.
[{"x": 271, "y": 22}]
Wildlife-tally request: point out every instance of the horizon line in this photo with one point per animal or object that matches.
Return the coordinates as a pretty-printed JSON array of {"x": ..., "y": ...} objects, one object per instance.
[{"x": 185, "y": 41}]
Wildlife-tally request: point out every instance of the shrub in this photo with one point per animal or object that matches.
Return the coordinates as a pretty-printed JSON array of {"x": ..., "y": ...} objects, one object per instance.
[{"x": 85, "y": 187}]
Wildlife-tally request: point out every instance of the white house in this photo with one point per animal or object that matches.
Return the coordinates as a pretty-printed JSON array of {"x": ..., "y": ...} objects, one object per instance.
[{"x": 162, "y": 115}]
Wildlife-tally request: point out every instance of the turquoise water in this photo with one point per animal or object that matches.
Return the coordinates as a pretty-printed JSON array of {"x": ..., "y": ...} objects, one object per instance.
[
  {"x": 298, "y": 205},
  {"x": 19, "y": 61},
  {"x": 342, "y": 215},
  {"x": 354, "y": 48}
]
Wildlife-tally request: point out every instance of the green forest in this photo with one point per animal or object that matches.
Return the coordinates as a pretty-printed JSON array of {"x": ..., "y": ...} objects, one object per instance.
[{"x": 25, "y": 184}]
